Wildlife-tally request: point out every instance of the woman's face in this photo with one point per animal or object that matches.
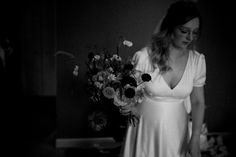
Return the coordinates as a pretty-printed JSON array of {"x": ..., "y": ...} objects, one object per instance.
[{"x": 184, "y": 34}]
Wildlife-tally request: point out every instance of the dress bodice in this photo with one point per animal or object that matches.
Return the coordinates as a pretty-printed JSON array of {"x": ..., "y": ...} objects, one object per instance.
[{"x": 194, "y": 76}]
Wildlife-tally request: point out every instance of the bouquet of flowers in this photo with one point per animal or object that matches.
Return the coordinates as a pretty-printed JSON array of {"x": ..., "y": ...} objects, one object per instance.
[{"x": 114, "y": 84}]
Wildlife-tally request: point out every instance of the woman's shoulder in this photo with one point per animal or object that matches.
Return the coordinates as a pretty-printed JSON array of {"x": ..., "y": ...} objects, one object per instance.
[
  {"x": 196, "y": 55},
  {"x": 141, "y": 60},
  {"x": 142, "y": 53}
]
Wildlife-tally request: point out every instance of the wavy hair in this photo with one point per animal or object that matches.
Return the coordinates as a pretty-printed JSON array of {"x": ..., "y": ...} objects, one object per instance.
[{"x": 178, "y": 14}]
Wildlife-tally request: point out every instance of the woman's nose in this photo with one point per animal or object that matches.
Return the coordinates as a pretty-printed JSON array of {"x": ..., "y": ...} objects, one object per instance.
[{"x": 189, "y": 36}]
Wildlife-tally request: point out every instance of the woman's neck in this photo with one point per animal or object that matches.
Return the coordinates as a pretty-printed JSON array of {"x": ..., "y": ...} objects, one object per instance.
[{"x": 175, "y": 53}]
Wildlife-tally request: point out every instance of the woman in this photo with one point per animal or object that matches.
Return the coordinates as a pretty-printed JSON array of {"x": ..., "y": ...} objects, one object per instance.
[{"x": 178, "y": 73}]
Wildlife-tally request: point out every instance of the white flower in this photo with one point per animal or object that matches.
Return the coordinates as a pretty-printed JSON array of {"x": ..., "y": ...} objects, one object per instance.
[
  {"x": 112, "y": 77},
  {"x": 204, "y": 129},
  {"x": 100, "y": 78},
  {"x": 140, "y": 100},
  {"x": 75, "y": 71},
  {"x": 98, "y": 85},
  {"x": 127, "y": 43},
  {"x": 96, "y": 57},
  {"x": 116, "y": 57},
  {"x": 203, "y": 142},
  {"x": 110, "y": 70}
]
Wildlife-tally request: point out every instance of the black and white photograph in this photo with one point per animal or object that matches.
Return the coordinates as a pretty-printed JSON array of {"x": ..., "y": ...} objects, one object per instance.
[{"x": 117, "y": 78}]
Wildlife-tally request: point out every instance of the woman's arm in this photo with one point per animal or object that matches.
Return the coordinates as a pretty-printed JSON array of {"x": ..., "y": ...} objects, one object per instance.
[{"x": 198, "y": 110}]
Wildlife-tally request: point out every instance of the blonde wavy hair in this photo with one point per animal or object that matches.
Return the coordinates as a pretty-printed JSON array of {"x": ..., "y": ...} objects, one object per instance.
[{"x": 178, "y": 14}]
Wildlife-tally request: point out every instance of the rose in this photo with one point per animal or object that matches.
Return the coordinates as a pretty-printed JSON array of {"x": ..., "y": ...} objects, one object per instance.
[
  {"x": 108, "y": 92},
  {"x": 118, "y": 100},
  {"x": 97, "y": 120}
]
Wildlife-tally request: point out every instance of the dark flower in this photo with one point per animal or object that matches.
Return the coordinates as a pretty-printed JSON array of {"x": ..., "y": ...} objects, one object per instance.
[
  {"x": 146, "y": 77},
  {"x": 97, "y": 120},
  {"x": 115, "y": 84},
  {"x": 128, "y": 67},
  {"x": 129, "y": 92},
  {"x": 128, "y": 80},
  {"x": 90, "y": 56}
]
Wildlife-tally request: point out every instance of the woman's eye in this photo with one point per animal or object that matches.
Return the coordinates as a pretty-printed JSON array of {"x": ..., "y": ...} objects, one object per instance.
[
  {"x": 195, "y": 33},
  {"x": 183, "y": 31}
]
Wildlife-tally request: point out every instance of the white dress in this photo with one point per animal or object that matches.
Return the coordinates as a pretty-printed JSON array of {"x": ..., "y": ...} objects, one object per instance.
[{"x": 163, "y": 127}]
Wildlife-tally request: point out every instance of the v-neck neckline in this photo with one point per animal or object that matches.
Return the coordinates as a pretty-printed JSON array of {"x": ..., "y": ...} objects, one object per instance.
[{"x": 181, "y": 76}]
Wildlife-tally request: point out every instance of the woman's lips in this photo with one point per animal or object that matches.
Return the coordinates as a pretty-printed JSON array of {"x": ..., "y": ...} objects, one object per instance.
[{"x": 185, "y": 42}]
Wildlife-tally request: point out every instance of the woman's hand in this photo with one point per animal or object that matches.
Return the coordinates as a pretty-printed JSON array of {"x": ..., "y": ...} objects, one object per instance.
[
  {"x": 131, "y": 111},
  {"x": 194, "y": 146}
]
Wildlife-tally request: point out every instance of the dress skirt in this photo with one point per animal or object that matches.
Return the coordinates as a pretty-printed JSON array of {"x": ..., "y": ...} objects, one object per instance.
[{"x": 162, "y": 130}]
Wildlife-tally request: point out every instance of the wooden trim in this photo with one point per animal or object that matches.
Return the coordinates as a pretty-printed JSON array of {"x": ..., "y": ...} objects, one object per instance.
[{"x": 87, "y": 143}]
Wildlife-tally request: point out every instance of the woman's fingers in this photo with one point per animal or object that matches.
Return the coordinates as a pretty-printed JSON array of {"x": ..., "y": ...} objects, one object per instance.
[{"x": 125, "y": 112}]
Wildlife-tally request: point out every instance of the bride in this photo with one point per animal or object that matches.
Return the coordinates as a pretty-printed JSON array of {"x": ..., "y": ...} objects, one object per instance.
[{"x": 178, "y": 74}]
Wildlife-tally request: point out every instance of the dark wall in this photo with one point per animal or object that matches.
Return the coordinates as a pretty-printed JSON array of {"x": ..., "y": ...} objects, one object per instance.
[
  {"x": 217, "y": 44},
  {"x": 37, "y": 46}
]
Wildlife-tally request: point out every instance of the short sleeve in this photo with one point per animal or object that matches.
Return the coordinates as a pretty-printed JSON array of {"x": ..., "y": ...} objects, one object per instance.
[
  {"x": 200, "y": 73},
  {"x": 141, "y": 60}
]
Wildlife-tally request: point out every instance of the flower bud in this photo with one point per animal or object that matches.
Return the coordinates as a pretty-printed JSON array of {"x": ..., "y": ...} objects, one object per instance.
[
  {"x": 146, "y": 77},
  {"x": 127, "y": 43}
]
